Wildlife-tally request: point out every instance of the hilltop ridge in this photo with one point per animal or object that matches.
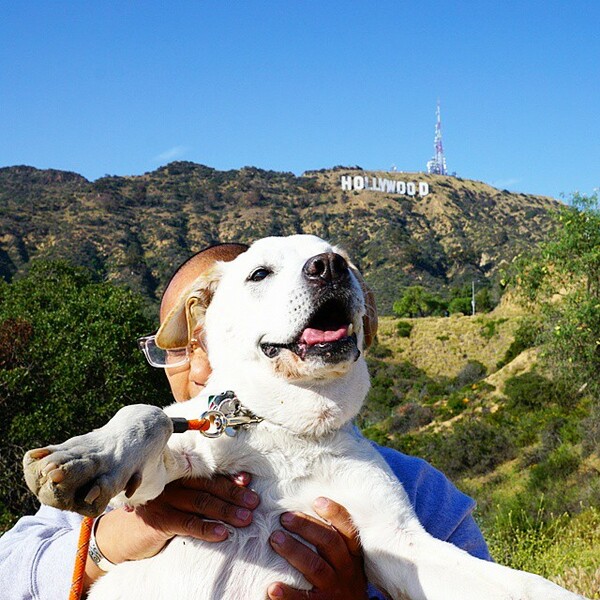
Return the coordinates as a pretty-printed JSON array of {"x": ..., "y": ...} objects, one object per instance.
[{"x": 138, "y": 229}]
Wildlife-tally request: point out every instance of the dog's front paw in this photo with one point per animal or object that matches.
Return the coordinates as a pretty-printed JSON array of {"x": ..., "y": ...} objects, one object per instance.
[
  {"x": 75, "y": 475},
  {"x": 85, "y": 472}
]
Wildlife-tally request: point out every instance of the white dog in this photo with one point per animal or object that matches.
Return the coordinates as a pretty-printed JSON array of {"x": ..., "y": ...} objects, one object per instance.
[{"x": 285, "y": 323}]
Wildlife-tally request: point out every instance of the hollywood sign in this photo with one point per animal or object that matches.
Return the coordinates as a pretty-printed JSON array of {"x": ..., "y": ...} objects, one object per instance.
[{"x": 380, "y": 184}]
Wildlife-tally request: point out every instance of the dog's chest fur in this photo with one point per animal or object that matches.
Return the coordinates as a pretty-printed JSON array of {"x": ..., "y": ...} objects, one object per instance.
[{"x": 288, "y": 473}]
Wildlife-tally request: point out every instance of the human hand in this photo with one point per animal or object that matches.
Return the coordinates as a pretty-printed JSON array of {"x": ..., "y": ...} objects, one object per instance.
[
  {"x": 182, "y": 509},
  {"x": 336, "y": 569}
]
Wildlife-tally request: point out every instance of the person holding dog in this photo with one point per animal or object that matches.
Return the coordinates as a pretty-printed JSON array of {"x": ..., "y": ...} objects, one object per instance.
[{"x": 41, "y": 548}]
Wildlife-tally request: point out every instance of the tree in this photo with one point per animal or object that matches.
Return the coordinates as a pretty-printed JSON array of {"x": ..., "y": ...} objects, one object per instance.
[
  {"x": 565, "y": 281},
  {"x": 68, "y": 362},
  {"x": 460, "y": 305},
  {"x": 483, "y": 300},
  {"x": 417, "y": 302}
]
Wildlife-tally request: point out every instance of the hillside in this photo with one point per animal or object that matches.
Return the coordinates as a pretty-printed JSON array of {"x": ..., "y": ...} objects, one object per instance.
[
  {"x": 504, "y": 434},
  {"x": 137, "y": 229}
]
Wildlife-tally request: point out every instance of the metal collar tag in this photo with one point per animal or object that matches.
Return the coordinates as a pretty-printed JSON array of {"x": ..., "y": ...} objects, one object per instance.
[{"x": 226, "y": 414}]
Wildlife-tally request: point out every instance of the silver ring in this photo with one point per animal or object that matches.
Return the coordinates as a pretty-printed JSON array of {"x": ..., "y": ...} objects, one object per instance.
[{"x": 218, "y": 423}]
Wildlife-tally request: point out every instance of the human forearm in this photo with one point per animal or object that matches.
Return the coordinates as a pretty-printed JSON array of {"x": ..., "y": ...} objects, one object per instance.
[
  {"x": 187, "y": 507},
  {"x": 36, "y": 556}
]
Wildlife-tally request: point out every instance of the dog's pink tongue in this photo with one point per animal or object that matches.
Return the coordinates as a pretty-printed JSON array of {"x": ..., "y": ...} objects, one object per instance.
[{"x": 311, "y": 336}]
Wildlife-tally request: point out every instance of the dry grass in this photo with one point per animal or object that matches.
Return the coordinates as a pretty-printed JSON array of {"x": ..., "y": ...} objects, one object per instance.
[
  {"x": 443, "y": 346},
  {"x": 580, "y": 581}
]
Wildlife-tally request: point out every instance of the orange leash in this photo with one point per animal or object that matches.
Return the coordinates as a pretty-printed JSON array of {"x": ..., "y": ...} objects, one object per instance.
[
  {"x": 80, "y": 558},
  {"x": 199, "y": 424},
  {"x": 181, "y": 425}
]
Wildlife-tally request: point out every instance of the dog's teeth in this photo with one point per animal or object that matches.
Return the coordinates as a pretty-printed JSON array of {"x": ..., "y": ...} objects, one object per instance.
[
  {"x": 92, "y": 495},
  {"x": 351, "y": 329}
]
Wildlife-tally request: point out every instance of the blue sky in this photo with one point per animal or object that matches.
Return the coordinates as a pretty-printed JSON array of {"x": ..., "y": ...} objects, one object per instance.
[{"x": 122, "y": 87}]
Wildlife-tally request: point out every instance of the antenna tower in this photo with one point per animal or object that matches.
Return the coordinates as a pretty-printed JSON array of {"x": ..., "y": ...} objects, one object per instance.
[{"x": 437, "y": 165}]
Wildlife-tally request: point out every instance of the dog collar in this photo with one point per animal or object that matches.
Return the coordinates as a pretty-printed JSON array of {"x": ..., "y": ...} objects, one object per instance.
[{"x": 225, "y": 415}]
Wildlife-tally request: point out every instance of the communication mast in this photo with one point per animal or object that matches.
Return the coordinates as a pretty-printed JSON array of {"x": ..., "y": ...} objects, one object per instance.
[{"x": 437, "y": 165}]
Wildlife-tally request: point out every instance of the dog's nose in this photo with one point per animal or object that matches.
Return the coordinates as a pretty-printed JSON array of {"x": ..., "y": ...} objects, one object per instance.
[{"x": 326, "y": 268}]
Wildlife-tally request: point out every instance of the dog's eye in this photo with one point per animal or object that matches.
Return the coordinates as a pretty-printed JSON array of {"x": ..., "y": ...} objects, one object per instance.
[{"x": 259, "y": 274}]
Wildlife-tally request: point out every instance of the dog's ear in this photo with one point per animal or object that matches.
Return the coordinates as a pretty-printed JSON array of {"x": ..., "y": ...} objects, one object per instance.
[
  {"x": 183, "y": 319},
  {"x": 370, "y": 317}
]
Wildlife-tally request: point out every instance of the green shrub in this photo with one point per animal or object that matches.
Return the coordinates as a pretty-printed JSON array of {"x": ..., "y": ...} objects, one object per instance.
[
  {"x": 378, "y": 350},
  {"x": 472, "y": 372},
  {"x": 473, "y": 445},
  {"x": 568, "y": 265},
  {"x": 404, "y": 328},
  {"x": 489, "y": 327},
  {"x": 375, "y": 434},
  {"x": 483, "y": 300},
  {"x": 410, "y": 416},
  {"x": 460, "y": 305},
  {"x": 381, "y": 398},
  {"x": 591, "y": 427},
  {"x": 529, "y": 391},
  {"x": 527, "y": 336},
  {"x": 68, "y": 362},
  {"x": 457, "y": 402},
  {"x": 520, "y": 540},
  {"x": 418, "y": 302},
  {"x": 556, "y": 546},
  {"x": 559, "y": 464}
]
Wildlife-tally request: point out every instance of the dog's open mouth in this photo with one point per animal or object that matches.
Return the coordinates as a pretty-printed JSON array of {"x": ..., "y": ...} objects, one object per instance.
[{"x": 329, "y": 334}]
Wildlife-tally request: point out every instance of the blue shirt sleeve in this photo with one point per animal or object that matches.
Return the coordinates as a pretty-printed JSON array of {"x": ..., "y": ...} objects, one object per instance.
[
  {"x": 37, "y": 556},
  {"x": 444, "y": 511}
]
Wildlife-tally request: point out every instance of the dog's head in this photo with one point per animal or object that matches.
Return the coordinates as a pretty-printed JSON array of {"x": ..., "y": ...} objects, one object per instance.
[{"x": 293, "y": 309}]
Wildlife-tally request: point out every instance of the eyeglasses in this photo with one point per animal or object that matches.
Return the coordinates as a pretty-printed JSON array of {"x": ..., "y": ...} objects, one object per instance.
[{"x": 164, "y": 359}]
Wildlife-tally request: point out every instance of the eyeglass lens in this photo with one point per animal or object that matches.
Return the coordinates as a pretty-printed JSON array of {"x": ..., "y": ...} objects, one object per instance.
[{"x": 159, "y": 357}]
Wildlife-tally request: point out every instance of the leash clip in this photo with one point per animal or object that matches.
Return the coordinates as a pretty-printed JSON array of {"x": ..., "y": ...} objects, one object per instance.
[
  {"x": 218, "y": 423},
  {"x": 226, "y": 414}
]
